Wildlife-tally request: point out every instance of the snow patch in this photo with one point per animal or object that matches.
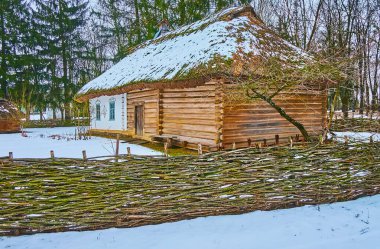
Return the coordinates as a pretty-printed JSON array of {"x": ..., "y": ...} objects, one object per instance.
[{"x": 348, "y": 225}]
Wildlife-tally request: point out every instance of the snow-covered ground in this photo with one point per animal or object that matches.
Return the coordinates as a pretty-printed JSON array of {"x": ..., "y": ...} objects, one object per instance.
[
  {"x": 348, "y": 225},
  {"x": 357, "y": 136},
  {"x": 39, "y": 142}
]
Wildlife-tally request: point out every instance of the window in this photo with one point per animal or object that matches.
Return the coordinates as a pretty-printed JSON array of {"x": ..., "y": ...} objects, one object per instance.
[
  {"x": 97, "y": 111},
  {"x": 112, "y": 109}
]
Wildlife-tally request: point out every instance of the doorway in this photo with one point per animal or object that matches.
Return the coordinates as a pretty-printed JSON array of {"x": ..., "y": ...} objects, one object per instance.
[{"x": 139, "y": 120}]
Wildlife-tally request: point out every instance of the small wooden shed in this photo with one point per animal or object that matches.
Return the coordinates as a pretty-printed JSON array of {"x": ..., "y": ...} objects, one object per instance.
[
  {"x": 9, "y": 117},
  {"x": 176, "y": 86}
]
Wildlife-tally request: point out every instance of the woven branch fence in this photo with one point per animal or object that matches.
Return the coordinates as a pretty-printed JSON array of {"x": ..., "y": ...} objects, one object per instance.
[
  {"x": 67, "y": 195},
  {"x": 356, "y": 125}
]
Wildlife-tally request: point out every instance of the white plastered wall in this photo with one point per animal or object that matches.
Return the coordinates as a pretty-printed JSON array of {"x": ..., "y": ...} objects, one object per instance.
[{"x": 120, "y": 122}]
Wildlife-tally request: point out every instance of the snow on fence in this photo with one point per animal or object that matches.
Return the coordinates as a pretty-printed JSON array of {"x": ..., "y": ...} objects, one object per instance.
[{"x": 65, "y": 195}]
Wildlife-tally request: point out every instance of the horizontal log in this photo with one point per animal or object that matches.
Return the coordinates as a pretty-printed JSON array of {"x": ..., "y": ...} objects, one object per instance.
[
  {"x": 142, "y": 94},
  {"x": 190, "y": 133},
  {"x": 192, "y": 89},
  {"x": 313, "y": 105},
  {"x": 266, "y": 132},
  {"x": 168, "y": 95},
  {"x": 270, "y": 124},
  {"x": 187, "y": 116},
  {"x": 269, "y": 116},
  {"x": 192, "y": 139},
  {"x": 192, "y": 127},
  {"x": 189, "y": 105},
  {"x": 196, "y": 122},
  {"x": 210, "y": 111},
  {"x": 188, "y": 100}
]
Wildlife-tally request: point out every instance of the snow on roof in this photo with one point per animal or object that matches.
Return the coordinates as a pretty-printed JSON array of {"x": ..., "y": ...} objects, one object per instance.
[{"x": 177, "y": 54}]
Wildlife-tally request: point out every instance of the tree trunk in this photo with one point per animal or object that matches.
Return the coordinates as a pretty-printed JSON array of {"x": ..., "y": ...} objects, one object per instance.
[
  {"x": 27, "y": 112},
  {"x": 283, "y": 114},
  {"x": 332, "y": 108},
  {"x": 3, "y": 70},
  {"x": 66, "y": 90}
]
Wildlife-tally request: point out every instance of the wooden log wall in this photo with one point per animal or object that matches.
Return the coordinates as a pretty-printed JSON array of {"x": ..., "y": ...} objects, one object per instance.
[
  {"x": 189, "y": 114},
  {"x": 258, "y": 120},
  {"x": 150, "y": 100}
]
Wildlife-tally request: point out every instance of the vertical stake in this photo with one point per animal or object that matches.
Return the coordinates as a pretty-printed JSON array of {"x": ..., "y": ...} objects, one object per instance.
[
  {"x": 11, "y": 156},
  {"x": 265, "y": 142},
  {"x": 200, "y": 152},
  {"x": 297, "y": 137},
  {"x": 291, "y": 141},
  {"x": 117, "y": 144},
  {"x": 166, "y": 149},
  {"x": 169, "y": 142},
  {"x": 234, "y": 146},
  {"x": 277, "y": 138},
  {"x": 129, "y": 151},
  {"x": 84, "y": 155},
  {"x": 249, "y": 142},
  {"x": 52, "y": 155},
  {"x": 346, "y": 140}
]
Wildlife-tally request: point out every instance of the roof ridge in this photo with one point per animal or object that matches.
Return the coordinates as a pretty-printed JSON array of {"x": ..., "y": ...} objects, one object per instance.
[{"x": 229, "y": 12}]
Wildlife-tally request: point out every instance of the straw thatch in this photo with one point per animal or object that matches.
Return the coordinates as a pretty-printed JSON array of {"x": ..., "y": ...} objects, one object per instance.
[{"x": 207, "y": 48}]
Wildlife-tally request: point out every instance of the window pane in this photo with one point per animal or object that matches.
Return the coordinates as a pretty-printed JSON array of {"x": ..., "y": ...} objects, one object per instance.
[
  {"x": 112, "y": 110},
  {"x": 97, "y": 111}
]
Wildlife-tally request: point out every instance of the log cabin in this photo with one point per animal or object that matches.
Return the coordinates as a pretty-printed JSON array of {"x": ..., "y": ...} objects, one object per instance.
[
  {"x": 175, "y": 88},
  {"x": 9, "y": 117}
]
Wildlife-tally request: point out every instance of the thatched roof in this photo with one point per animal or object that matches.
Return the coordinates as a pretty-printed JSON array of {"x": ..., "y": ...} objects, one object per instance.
[
  {"x": 8, "y": 110},
  {"x": 191, "y": 54}
]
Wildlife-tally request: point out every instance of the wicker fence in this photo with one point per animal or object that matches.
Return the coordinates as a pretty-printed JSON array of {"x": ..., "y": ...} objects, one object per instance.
[{"x": 65, "y": 194}]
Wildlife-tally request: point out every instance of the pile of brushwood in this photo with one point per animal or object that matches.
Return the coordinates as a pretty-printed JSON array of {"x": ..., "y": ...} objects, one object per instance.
[
  {"x": 356, "y": 125},
  {"x": 64, "y": 195}
]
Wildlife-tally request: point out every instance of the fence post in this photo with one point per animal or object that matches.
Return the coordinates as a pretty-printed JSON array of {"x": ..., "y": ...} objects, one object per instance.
[
  {"x": 84, "y": 155},
  {"x": 291, "y": 141},
  {"x": 128, "y": 151},
  {"x": 52, "y": 155},
  {"x": 11, "y": 156},
  {"x": 166, "y": 149},
  {"x": 277, "y": 139},
  {"x": 117, "y": 144},
  {"x": 234, "y": 146},
  {"x": 249, "y": 141},
  {"x": 265, "y": 142},
  {"x": 346, "y": 140},
  {"x": 200, "y": 152}
]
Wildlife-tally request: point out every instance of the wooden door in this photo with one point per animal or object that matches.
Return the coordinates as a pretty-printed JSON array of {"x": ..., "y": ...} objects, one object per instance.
[{"x": 139, "y": 120}]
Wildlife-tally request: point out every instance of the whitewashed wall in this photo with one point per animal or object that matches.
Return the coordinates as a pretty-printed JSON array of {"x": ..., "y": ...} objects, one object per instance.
[{"x": 120, "y": 122}]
